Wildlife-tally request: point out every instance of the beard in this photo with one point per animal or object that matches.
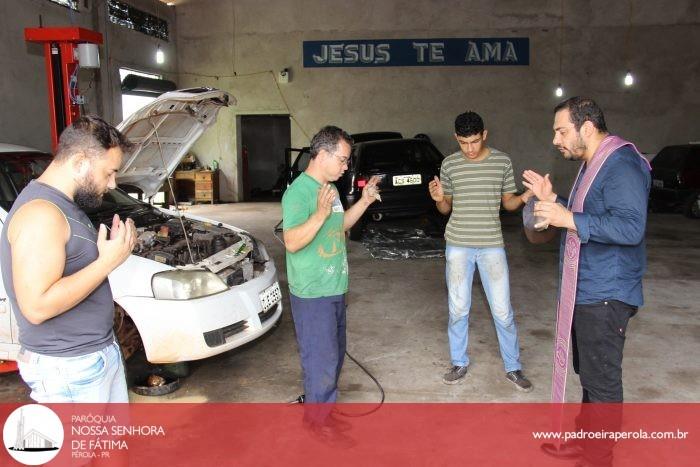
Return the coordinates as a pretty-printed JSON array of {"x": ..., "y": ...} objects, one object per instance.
[
  {"x": 87, "y": 195},
  {"x": 576, "y": 152}
]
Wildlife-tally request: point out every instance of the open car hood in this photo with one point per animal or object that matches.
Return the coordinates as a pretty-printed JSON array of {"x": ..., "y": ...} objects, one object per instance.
[{"x": 163, "y": 131}]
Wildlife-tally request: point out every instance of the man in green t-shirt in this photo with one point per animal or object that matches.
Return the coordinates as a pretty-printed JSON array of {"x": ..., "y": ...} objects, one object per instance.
[
  {"x": 473, "y": 184},
  {"x": 314, "y": 225}
]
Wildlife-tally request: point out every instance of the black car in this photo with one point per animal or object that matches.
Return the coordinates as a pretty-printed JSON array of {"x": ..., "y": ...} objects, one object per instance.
[
  {"x": 297, "y": 159},
  {"x": 405, "y": 166},
  {"x": 676, "y": 179},
  {"x": 375, "y": 136}
]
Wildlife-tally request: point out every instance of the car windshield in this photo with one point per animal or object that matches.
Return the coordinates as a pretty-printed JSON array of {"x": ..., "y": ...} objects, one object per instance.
[
  {"x": 18, "y": 169},
  {"x": 403, "y": 155},
  {"x": 671, "y": 157},
  {"x": 116, "y": 201}
]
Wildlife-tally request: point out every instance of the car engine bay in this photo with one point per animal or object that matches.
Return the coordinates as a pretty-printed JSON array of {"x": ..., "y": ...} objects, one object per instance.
[{"x": 233, "y": 256}]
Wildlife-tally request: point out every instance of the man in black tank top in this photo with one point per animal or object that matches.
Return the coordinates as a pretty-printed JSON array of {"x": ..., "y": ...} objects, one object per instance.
[{"x": 55, "y": 267}]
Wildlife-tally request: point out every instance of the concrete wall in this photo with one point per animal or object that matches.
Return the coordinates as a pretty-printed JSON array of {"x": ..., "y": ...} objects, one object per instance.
[
  {"x": 238, "y": 45},
  {"x": 24, "y": 118}
]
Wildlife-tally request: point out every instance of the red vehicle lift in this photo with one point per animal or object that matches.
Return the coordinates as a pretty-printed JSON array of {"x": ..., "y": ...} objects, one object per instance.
[
  {"x": 60, "y": 54},
  {"x": 61, "y": 58},
  {"x": 7, "y": 366}
]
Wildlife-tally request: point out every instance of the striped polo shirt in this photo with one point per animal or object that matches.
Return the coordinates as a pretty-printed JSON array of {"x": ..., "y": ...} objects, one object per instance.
[{"x": 476, "y": 188}]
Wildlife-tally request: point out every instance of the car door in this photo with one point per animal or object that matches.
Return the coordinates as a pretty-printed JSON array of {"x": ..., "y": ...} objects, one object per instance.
[{"x": 8, "y": 327}]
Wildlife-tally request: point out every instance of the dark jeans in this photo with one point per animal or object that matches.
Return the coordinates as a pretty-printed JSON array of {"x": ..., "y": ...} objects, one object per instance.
[
  {"x": 320, "y": 330},
  {"x": 598, "y": 340}
]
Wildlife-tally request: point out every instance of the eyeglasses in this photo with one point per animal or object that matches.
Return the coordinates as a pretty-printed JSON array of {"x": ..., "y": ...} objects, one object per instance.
[{"x": 343, "y": 160}]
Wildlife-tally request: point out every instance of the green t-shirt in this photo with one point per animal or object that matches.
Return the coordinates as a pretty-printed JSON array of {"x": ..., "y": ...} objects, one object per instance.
[{"x": 320, "y": 269}]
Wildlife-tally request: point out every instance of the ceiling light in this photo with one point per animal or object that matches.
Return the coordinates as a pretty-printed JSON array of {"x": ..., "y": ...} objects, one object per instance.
[
  {"x": 160, "y": 56},
  {"x": 629, "y": 79},
  {"x": 559, "y": 91}
]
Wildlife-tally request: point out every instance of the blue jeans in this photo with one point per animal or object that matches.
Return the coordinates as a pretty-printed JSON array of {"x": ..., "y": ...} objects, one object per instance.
[
  {"x": 320, "y": 330},
  {"x": 493, "y": 270},
  {"x": 94, "y": 377}
]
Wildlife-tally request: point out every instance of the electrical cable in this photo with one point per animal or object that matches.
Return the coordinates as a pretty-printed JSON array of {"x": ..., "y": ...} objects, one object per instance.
[
  {"x": 302, "y": 398},
  {"x": 379, "y": 386}
]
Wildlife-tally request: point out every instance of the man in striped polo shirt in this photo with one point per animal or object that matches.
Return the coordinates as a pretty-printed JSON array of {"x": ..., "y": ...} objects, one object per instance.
[{"x": 473, "y": 183}]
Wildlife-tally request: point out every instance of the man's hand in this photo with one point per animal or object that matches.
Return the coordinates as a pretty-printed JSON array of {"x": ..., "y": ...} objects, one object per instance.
[
  {"x": 540, "y": 186},
  {"x": 370, "y": 192},
  {"x": 435, "y": 188},
  {"x": 324, "y": 203},
  {"x": 525, "y": 197},
  {"x": 553, "y": 213},
  {"x": 122, "y": 240}
]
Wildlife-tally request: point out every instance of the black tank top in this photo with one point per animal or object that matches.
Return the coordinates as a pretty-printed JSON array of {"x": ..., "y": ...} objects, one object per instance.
[{"x": 85, "y": 328}]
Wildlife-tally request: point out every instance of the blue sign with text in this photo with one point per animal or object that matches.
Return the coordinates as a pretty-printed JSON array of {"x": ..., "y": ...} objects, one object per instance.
[{"x": 417, "y": 52}]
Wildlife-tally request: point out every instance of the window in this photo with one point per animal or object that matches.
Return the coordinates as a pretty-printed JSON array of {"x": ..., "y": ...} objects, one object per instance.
[
  {"x": 399, "y": 155},
  {"x": 129, "y": 17},
  {"x": 72, "y": 4},
  {"x": 131, "y": 103},
  {"x": 671, "y": 157}
]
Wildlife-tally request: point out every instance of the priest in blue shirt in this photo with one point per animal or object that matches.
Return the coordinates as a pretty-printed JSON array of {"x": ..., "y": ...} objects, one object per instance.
[{"x": 603, "y": 259}]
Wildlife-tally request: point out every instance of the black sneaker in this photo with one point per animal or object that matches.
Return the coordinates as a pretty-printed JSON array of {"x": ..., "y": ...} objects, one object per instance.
[
  {"x": 455, "y": 375},
  {"x": 521, "y": 382}
]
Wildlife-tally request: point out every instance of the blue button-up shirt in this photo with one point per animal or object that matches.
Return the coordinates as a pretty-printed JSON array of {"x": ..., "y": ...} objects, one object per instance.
[{"x": 611, "y": 228}]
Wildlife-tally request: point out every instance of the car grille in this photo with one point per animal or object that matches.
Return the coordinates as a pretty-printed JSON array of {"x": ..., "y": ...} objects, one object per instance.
[
  {"x": 218, "y": 336},
  {"x": 265, "y": 315}
]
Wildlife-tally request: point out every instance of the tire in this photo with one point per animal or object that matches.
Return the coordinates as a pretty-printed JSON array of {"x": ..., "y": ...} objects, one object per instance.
[
  {"x": 692, "y": 206},
  {"x": 357, "y": 229}
]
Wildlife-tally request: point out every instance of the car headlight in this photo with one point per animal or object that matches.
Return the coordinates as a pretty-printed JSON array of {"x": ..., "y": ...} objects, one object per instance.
[{"x": 181, "y": 284}]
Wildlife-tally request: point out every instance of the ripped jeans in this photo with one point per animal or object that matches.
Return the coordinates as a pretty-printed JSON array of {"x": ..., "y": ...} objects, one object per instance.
[{"x": 493, "y": 271}]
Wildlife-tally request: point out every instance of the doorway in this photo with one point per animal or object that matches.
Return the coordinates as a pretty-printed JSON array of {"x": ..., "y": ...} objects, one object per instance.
[{"x": 264, "y": 139}]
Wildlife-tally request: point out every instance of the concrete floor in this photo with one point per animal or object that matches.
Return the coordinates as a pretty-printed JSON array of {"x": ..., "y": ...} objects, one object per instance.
[{"x": 397, "y": 318}]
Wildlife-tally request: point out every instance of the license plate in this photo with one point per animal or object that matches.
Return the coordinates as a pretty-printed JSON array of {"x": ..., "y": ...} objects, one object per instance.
[
  {"x": 658, "y": 183},
  {"x": 270, "y": 296},
  {"x": 403, "y": 180}
]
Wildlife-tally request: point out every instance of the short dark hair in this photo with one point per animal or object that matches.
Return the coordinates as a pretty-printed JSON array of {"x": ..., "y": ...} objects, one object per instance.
[
  {"x": 469, "y": 123},
  {"x": 90, "y": 136},
  {"x": 327, "y": 139},
  {"x": 582, "y": 110}
]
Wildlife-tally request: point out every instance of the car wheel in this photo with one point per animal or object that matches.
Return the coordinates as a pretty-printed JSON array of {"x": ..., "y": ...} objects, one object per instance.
[
  {"x": 692, "y": 206},
  {"x": 126, "y": 332},
  {"x": 357, "y": 229}
]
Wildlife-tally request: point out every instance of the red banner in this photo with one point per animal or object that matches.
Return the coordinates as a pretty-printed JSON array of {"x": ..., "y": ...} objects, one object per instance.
[{"x": 396, "y": 434}]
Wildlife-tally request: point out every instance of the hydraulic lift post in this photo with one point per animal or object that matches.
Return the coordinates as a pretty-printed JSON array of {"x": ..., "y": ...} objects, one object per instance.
[{"x": 61, "y": 59}]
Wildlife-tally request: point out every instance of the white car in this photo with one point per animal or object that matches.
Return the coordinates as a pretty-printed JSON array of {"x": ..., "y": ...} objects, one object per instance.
[{"x": 193, "y": 287}]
